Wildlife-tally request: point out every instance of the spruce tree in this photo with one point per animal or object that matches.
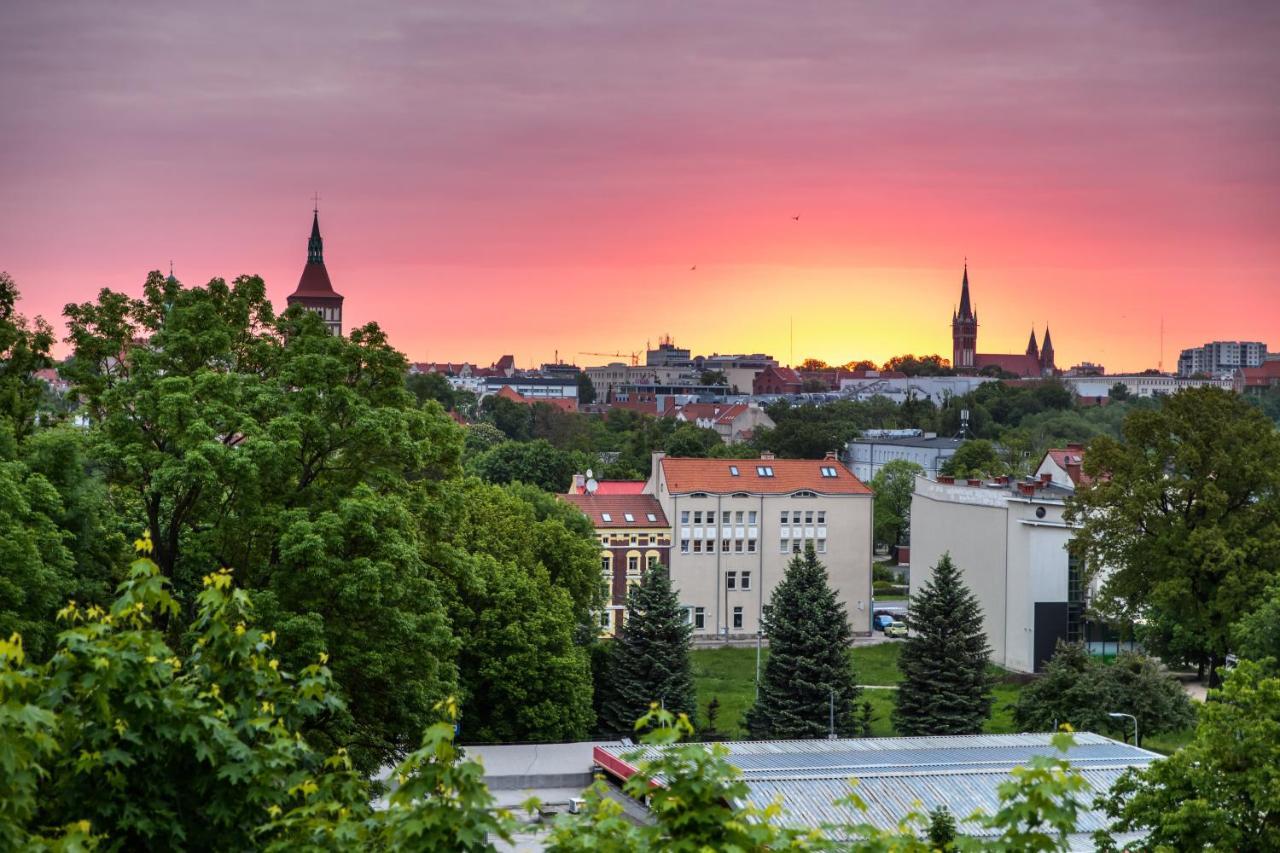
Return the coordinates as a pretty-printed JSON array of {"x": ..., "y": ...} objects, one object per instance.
[
  {"x": 945, "y": 688},
  {"x": 649, "y": 658},
  {"x": 809, "y": 640}
]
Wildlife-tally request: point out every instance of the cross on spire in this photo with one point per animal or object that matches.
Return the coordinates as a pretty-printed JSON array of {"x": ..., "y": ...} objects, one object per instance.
[{"x": 315, "y": 202}]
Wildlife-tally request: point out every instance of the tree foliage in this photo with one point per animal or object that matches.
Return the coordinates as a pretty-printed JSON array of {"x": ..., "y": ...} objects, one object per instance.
[
  {"x": 1186, "y": 510},
  {"x": 808, "y": 683},
  {"x": 533, "y": 462},
  {"x": 1220, "y": 792},
  {"x": 649, "y": 657},
  {"x": 1078, "y": 689},
  {"x": 24, "y": 349},
  {"x": 893, "y": 485},
  {"x": 977, "y": 457},
  {"x": 946, "y": 687}
]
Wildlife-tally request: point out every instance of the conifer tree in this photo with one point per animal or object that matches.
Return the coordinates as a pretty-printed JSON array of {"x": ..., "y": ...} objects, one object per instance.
[
  {"x": 808, "y": 671},
  {"x": 945, "y": 687},
  {"x": 649, "y": 658}
]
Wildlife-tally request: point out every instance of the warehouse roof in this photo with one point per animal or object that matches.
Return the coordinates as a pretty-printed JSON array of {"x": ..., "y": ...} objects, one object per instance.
[{"x": 898, "y": 776}]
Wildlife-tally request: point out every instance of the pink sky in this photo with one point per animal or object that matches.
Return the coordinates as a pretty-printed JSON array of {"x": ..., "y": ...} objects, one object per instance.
[{"x": 533, "y": 177}]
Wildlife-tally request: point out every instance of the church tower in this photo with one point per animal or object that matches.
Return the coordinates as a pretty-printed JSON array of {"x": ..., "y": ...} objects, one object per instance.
[
  {"x": 1047, "y": 367},
  {"x": 1032, "y": 349},
  {"x": 315, "y": 292},
  {"x": 964, "y": 329}
]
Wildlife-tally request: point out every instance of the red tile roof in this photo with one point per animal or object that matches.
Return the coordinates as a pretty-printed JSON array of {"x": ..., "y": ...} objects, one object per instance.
[
  {"x": 1071, "y": 459},
  {"x": 789, "y": 475},
  {"x": 1260, "y": 377},
  {"x": 567, "y": 404},
  {"x": 1020, "y": 365},
  {"x": 719, "y": 413},
  {"x": 614, "y": 487},
  {"x": 596, "y": 506}
]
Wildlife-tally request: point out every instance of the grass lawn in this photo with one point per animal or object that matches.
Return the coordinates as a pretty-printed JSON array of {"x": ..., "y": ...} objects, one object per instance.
[{"x": 729, "y": 675}]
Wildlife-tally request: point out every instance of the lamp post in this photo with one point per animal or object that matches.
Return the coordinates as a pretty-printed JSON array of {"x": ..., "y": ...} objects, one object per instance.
[
  {"x": 1119, "y": 714},
  {"x": 831, "y": 715},
  {"x": 759, "y": 641}
]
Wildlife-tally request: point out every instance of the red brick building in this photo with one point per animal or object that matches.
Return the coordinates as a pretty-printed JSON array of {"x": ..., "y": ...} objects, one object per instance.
[
  {"x": 777, "y": 380},
  {"x": 1037, "y": 361}
]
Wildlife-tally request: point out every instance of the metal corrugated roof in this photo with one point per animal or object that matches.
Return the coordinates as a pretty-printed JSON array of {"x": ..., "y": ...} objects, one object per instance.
[{"x": 897, "y": 776}]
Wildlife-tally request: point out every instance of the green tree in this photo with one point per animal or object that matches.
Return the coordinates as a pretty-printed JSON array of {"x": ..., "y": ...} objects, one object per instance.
[
  {"x": 534, "y": 462},
  {"x": 263, "y": 443},
  {"x": 713, "y": 377},
  {"x": 514, "y": 419},
  {"x": 1078, "y": 689},
  {"x": 1219, "y": 792},
  {"x": 586, "y": 389},
  {"x": 692, "y": 440},
  {"x": 1257, "y": 634},
  {"x": 649, "y": 657},
  {"x": 24, "y": 349},
  {"x": 1186, "y": 510},
  {"x": 430, "y": 386},
  {"x": 893, "y": 485},
  {"x": 946, "y": 687},
  {"x": 482, "y": 436},
  {"x": 1119, "y": 392},
  {"x": 808, "y": 683},
  {"x": 977, "y": 457}
]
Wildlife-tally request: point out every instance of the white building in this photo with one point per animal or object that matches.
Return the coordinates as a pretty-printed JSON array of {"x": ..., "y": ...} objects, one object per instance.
[
  {"x": 939, "y": 389},
  {"x": 1141, "y": 384},
  {"x": 868, "y": 454},
  {"x": 1011, "y": 544},
  {"x": 533, "y": 387},
  {"x": 737, "y": 523},
  {"x": 1221, "y": 357}
]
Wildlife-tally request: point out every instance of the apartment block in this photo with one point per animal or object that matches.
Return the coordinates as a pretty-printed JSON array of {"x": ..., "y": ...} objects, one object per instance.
[{"x": 1221, "y": 357}]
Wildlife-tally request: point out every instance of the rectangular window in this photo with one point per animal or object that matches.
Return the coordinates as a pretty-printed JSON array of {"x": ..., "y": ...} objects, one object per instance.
[
  {"x": 604, "y": 619},
  {"x": 628, "y": 516},
  {"x": 822, "y": 546},
  {"x": 751, "y": 546},
  {"x": 684, "y": 516},
  {"x": 724, "y": 545},
  {"x": 633, "y": 565},
  {"x": 711, "y": 546},
  {"x": 795, "y": 516},
  {"x": 605, "y": 564},
  {"x": 733, "y": 470},
  {"x": 730, "y": 580},
  {"x": 764, "y": 470},
  {"x": 724, "y": 517},
  {"x": 697, "y": 516},
  {"x": 808, "y": 517},
  {"x": 828, "y": 471},
  {"x": 784, "y": 547},
  {"x": 746, "y": 581},
  {"x": 822, "y": 516},
  {"x": 697, "y": 546},
  {"x": 797, "y": 546},
  {"x": 684, "y": 546},
  {"x": 737, "y": 545},
  {"x": 784, "y": 516},
  {"x": 738, "y": 517},
  {"x": 737, "y": 617},
  {"x": 608, "y": 519},
  {"x": 699, "y": 618},
  {"x": 751, "y": 518}
]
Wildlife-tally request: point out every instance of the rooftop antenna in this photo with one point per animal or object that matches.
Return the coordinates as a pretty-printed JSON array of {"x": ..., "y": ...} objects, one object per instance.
[
  {"x": 1160, "y": 363},
  {"x": 792, "y": 358}
]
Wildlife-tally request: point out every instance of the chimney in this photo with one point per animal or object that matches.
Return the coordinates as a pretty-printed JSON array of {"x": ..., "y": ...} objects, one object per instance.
[
  {"x": 1002, "y": 480},
  {"x": 766, "y": 454},
  {"x": 1027, "y": 489},
  {"x": 579, "y": 483},
  {"x": 974, "y": 481},
  {"x": 946, "y": 479},
  {"x": 831, "y": 455},
  {"x": 1075, "y": 445},
  {"x": 1046, "y": 478}
]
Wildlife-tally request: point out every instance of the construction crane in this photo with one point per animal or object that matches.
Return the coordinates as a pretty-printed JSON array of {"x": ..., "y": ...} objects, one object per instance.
[{"x": 634, "y": 356}]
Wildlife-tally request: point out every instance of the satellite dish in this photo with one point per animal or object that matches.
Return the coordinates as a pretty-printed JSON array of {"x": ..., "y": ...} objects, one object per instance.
[
  {"x": 592, "y": 485},
  {"x": 589, "y": 474}
]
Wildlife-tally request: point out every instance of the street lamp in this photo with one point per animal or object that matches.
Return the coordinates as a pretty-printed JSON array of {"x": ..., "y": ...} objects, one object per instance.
[
  {"x": 1118, "y": 714},
  {"x": 831, "y": 719}
]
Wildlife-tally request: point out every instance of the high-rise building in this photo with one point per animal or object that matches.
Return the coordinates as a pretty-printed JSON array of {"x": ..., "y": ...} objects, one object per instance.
[
  {"x": 315, "y": 292},
  {"x": 1217, "y": 357}
]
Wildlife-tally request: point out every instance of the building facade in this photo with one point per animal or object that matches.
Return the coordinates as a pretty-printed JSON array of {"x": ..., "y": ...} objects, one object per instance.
[
  {"x": 1141, "y": 384},
  {"x": 737, "y": 523},
  {"x": 868, "y": 454},
  {"x": 734, "y": 422},
  {"x": 633, "y": 533},
  {"x": 1221, "y": 357},
  {"x": 777, "y": 380},
  {"x": 315, "y": 292}
]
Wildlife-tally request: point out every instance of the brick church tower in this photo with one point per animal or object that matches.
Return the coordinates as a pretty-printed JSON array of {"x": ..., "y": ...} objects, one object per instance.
[
  {"x": 964, "y": 330},
  {"x": 315, "y": 292}
]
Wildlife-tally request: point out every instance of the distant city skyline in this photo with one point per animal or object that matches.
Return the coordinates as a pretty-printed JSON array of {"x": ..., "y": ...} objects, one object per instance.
[{"x": 523, "y": 180}]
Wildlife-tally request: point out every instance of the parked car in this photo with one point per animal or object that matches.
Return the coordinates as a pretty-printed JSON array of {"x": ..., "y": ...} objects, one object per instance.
[
  {"x": 882, "y": 621},
  {"x": 896, "y": 629}
]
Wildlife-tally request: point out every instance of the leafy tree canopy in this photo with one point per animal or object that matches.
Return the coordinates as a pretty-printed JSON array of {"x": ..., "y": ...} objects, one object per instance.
[{"x": 893, "y": 485}]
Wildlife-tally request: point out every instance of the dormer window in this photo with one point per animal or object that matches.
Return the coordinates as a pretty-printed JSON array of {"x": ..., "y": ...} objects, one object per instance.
[
  {"x": 628, "y": 516},
  {"x": 607, "y": 517},
  {"x": 764, "y": 470},
  {"x": 828, "y": 471}
]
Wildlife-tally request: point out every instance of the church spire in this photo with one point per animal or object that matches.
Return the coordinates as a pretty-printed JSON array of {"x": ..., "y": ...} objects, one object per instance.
[
  {"x": 965, "y": 311},
  {"x": 1032, "y": 349},
  {"x": 315, "y": 246}
]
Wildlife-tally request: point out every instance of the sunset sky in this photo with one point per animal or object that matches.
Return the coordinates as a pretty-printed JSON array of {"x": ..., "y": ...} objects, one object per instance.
[{"x": 529, "y": 177}]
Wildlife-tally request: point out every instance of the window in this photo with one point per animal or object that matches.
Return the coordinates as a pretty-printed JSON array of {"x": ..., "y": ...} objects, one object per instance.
[
  {"x": 808, "y": 517},
  {"x": 604, "y": 619},
  {"x": 697, "y": 546},
  {"x": 634, "y": 539},
  {"x": 724, "y": 545},
  {"x": 684, "y": 516},
  {"x": 711, "y": 546},
  {"x": 633, "y": 565},
  {"x": 822, "y": 516},
  {"x": 738, "y": 517},
  {"x": 697, "y": 516},
  {"x": 822, "y": 546},
  {"x": 751, "y": 518},
  {"x": 733, "y": 470},
  {"x": 651, "y": 517},
  {"x": 784, "y": 546},
  {"x": 828, "y": 471},
  {"x": 737, "y": 545},
  {"x": 684, "y": 546},
  {"x": 746, "y": 581},
  {"x": 784, "y": 516},
  {"x": 724, "y": 517},
  {"x": 796, "y": 546},
  {"x": 795, "y": 517},
  {"x": 730, "y": 580},
  {"x": 764, "y": 470},
  {"x": 628, "y": 516},
  {"x": 608, "y": 519},
  {"x": 751, "y": 546},
  {"x": 737, "y": 617},
  {"x": 699, "y": 618}
]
